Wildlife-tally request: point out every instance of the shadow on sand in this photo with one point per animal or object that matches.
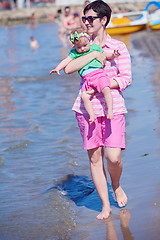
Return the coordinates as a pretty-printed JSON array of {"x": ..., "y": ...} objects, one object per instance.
[{"x": 81, "y": 190}]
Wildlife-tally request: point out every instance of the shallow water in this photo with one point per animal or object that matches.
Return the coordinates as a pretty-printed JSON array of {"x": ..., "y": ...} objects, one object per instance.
[
  {"x": 46, "y": 188},
  {"x": 38, "y": 146}
]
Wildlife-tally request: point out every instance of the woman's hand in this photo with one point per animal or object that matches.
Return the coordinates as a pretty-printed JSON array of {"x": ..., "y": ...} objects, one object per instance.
[{"x": 80, "y": 62}]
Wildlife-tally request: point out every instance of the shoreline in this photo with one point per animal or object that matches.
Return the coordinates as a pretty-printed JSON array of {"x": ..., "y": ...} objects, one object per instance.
[{"x": 21, "y": 16}]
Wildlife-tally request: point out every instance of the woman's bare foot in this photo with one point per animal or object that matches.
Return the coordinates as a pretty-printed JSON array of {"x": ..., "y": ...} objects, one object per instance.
[
  {"x": 106, "y": 211},
  {"x": 124, "y": 217},
  {"x": 120, "y": 196}
]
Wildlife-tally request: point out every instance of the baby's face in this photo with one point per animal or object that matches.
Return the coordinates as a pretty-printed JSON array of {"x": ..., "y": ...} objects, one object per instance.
[{"x": 83, "y": 45}]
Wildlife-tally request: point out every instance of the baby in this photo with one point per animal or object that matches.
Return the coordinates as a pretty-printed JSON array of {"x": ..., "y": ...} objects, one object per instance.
[{"x": 95, "y": 78}]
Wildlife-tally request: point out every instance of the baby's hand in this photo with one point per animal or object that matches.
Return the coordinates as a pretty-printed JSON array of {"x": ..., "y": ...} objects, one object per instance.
[
  {"x": 116, "y": 53},
  {"x": 110, "y": 54},
  {"x": 55, "y": 71}
]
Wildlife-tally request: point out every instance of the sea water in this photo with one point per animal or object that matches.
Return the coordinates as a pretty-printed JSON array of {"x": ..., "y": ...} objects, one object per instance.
[{"x": 40, "y": 142}]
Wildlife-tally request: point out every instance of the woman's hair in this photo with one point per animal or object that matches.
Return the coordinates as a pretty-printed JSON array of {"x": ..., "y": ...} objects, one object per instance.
[
  {"x": 101, "y": 8},
  {"x": 59, "y": 11}
]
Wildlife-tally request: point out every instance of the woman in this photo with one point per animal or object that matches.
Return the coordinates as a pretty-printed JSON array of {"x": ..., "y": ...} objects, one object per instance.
[
  {"x": 62, "y": 29},
  {"x": 105, "y": 136}
]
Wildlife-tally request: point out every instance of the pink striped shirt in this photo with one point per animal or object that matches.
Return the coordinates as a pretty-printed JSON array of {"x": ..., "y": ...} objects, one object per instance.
[{"x": 118, "y": 69}]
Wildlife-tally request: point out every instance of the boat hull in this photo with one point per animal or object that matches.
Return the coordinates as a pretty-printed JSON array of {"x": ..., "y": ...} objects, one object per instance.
[
  {"x": 117, "y": 30},
  {"x": 155, "y": 27}
]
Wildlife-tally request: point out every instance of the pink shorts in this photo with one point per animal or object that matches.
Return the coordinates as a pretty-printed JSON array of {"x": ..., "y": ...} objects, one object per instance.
[
  {"x": 97, "y": 79},
  {"x": 103, "y": 132}
]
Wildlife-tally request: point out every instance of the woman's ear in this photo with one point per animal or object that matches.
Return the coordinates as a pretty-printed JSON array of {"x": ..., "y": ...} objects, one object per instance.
[{"x": 104, "y": 20}]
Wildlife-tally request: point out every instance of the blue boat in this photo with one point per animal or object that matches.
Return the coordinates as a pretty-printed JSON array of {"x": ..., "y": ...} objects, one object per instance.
[{"x": 153, "y": 18}]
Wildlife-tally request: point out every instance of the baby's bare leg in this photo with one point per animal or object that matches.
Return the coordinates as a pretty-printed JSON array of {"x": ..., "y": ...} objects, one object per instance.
[
  {"x": 88, "y": 106},
  {"x": 109, "y": 101}
]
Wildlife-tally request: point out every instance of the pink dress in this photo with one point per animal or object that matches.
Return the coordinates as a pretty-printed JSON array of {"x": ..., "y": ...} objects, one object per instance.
[{"x": 97, "y": 79}]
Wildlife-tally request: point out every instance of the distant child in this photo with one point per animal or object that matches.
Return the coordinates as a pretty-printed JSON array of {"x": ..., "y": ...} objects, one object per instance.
[
  {"x": 33, "y": 43},
  {"x": 32, "y": 20},
  {"x": 95, "y": 78}
]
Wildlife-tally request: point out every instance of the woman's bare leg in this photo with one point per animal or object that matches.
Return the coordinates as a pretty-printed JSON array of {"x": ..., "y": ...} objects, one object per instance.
[
  {"x": 99, "y": 179},
  {"x": 115, "y": 165},
  {"x": 125, "y": 216},
  {"x": 111, "y": 231}
]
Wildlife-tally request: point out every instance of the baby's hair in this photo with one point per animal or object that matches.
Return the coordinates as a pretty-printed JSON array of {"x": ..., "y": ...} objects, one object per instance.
[{"x": 78, "y": 30}]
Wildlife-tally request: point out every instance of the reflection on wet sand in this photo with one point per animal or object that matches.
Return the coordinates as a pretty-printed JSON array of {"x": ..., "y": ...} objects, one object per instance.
[
  {"x": 148, "y": 44},
  {"x": 156, "y": 82},
  {"x": 124, "y": 38},
  {"x": 124, "y": 216}
]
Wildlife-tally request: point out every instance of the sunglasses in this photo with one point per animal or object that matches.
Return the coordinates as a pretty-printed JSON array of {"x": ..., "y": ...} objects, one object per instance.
[{"x": 90, "y": 19}]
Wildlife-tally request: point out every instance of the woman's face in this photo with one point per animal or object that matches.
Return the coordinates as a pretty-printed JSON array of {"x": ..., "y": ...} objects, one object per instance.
[
  {"x": 67, "y": 11},
  {"x": 95, "y": 25}
]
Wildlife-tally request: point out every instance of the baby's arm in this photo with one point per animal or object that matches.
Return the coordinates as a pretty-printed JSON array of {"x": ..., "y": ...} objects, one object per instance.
[
  {"x": 110, "y": 54},
  {"x": 61, "y": 65}
]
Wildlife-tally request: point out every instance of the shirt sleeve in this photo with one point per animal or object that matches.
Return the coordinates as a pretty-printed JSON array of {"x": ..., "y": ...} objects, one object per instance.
[
  {"x": 124, "y": 75},
  {"x": 72, "y": 54},
  {"x": 97, "y": 48}
]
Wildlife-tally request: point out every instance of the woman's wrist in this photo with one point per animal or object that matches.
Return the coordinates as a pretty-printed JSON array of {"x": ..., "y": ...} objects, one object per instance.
[{"x": 96, "y": 54}]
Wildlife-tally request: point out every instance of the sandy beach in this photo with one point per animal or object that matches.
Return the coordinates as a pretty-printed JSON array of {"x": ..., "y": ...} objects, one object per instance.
[
  {"x": 20, "y": 16},
  {"x": 46, "y": 187}
]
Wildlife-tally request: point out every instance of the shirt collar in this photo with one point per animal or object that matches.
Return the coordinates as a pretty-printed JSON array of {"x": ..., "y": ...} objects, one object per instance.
[{"x": 108, "y": 42}]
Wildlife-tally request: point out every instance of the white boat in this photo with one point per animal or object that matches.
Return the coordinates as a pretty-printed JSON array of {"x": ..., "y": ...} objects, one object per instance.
[
  {"x": 129, "y": 22},
  {"x": 154, "y": 17}
]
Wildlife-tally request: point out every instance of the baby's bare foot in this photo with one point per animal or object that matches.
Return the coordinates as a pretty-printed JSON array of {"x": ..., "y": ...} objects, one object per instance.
[
  {"x": 92, "y": 119},
  {"x": 120, "y": 196},
  {"x": 106, "y": 211},
  {"x": 110, "y": 114}
]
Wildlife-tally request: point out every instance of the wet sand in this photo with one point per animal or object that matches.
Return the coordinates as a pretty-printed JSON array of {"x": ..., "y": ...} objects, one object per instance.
[{"x": 140, "y": 218}]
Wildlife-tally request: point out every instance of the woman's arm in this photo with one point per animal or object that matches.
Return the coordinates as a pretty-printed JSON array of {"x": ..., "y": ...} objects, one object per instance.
[
  {"x": 78, "y": 63},
  {"x": 124, "y": 75}
]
